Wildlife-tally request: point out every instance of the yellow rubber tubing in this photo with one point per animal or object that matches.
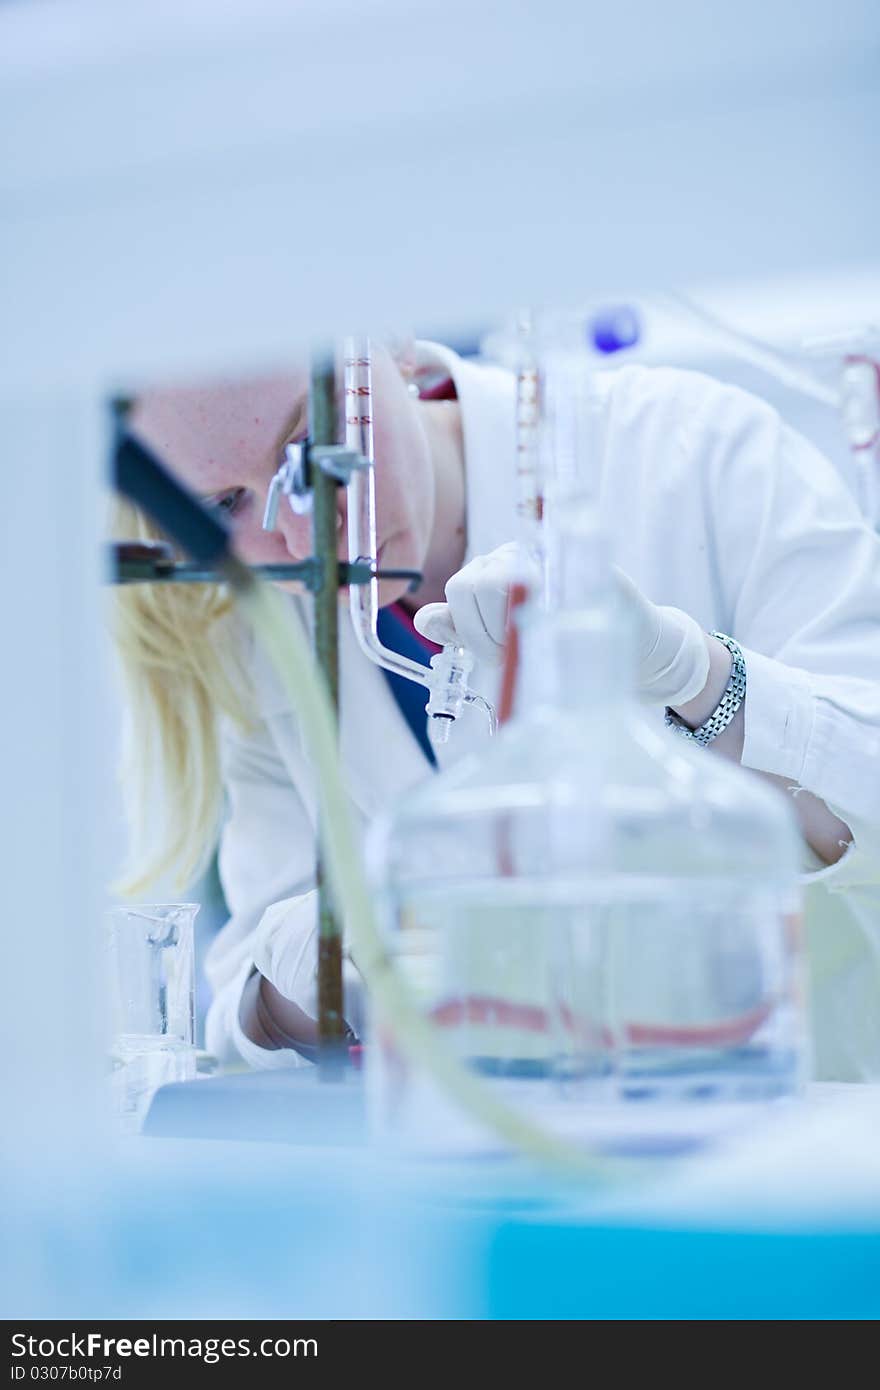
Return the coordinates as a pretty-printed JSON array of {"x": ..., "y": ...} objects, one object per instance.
[{"x": 286, "y": 646}]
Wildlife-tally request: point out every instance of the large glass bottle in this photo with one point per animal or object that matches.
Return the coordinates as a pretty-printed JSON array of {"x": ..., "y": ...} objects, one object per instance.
[{"x": 593, "y": 913}]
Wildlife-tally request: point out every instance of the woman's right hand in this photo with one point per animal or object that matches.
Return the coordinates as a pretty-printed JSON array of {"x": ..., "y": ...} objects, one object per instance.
[{"x": 475, "y": 612}]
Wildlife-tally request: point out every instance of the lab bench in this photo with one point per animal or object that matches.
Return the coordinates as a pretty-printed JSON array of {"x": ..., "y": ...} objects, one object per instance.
[{"x": 273, "y": 1172}]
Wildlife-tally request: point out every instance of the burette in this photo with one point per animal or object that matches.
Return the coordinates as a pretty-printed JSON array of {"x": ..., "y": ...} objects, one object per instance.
[
  {"x": 554, "y": 409},
  {"x": 529, "y": 497},
  {"x": 552, "y": 355},
  {"x": 446, "y": 679},
  {"x": 529, "y": 487},
  {"x": 858, "y": 356}
]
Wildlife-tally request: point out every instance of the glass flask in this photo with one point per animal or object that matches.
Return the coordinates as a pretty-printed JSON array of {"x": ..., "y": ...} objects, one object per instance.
[
  {"x": 151, "y": 976},
  {"x": 595, "y": 914}
]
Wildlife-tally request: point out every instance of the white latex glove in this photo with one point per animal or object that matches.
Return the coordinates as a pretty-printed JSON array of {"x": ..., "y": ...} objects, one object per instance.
[
  {"x": 475, "y": 612},
  {"x": 672, "y": 657},
  {"x": 286, "y": 954}
]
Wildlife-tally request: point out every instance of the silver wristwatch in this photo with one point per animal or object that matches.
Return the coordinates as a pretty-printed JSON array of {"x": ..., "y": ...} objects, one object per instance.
[{"x": 722, "y": 715}]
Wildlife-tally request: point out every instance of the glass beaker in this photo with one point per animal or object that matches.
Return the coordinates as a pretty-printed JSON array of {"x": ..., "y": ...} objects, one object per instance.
[{"x": 152, "y": 1002}]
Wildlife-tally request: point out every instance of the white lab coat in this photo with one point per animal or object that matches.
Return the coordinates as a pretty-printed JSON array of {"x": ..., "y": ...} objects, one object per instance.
[{"x": 714, "y": 506}]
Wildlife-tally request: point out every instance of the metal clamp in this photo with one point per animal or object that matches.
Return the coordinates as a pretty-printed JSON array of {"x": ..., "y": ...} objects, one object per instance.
[
  {"x": 294, "y": 477},
  {"x": 292, "y": 482},
  {"x": 338, "y": 461},
  {"x": 153, "y": 562}
]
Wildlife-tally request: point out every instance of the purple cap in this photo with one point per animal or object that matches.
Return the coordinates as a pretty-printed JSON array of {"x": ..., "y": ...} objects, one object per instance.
[{"x": 613, "y": 329}]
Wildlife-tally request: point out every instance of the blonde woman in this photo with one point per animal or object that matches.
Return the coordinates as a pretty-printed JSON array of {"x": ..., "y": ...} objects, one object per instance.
[{"x": 723, "y": 519}]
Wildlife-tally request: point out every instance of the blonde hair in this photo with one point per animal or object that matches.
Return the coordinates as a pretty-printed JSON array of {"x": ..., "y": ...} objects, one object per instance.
[{"x": 181, "y": 663}]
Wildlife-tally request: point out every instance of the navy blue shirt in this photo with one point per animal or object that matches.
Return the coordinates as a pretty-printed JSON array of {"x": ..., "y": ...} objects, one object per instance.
[{"x": 395, "y": 632}]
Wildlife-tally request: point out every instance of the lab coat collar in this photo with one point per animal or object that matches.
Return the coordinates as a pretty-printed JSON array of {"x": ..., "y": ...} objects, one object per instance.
[{"x": 487, "y": 399}]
